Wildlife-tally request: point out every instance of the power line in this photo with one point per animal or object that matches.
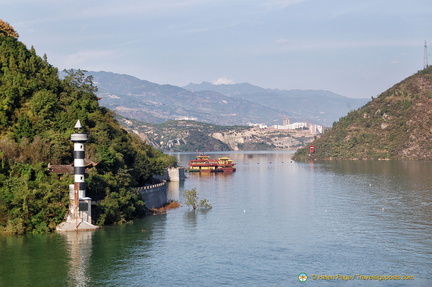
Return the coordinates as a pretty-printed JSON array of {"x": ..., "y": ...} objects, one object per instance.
[{"x": 425, "y": 60}]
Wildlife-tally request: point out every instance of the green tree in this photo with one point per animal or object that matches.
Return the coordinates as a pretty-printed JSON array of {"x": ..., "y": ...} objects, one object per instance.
[{"x": 192, "y": 200}]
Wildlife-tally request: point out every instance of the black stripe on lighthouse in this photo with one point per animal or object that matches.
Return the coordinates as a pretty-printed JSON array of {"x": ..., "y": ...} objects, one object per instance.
[
  {"x": 78, "y": 154},
  {"x": 79, "y": 169}
]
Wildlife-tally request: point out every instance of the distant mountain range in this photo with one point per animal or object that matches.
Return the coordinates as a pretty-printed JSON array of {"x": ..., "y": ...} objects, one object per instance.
[
  {"x": 316, "y": 106},
  {"x": 235, "y": 104}
]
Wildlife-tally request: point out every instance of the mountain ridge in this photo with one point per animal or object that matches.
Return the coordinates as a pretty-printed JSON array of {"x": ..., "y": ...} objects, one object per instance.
[
  {"x": 395, "y": 125},
  {"x": 304, "y": 105},
  {"x": 154, "y": 103}
]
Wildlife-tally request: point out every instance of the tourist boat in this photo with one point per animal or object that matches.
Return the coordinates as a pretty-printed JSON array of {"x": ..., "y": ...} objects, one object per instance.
[
  {"x": 203, "y": 163},
  {"x": 225, "y": 164}
]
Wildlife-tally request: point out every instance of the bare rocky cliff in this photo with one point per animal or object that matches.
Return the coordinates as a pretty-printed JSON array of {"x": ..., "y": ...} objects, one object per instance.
[
  {"x": 192, "y": 136},
  {"x": 277, "y": 139}
]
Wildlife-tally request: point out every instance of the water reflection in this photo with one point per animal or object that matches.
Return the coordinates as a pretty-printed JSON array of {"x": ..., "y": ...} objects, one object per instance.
[
  {"x": 80, "y": 250},
  {"x": 191, "y": 219},
  {"x": 174, "y": 190},
  {"x": 122, "y": 254}
]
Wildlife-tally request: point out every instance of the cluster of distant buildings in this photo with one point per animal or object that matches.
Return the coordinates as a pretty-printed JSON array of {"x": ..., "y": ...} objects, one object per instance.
[{"x": 286, "y": 125}]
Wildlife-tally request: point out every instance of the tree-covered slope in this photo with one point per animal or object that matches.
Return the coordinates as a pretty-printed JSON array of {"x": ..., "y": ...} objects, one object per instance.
[
  {"x": 37, "y": 114},
  {"x": 395, "y": 125}
]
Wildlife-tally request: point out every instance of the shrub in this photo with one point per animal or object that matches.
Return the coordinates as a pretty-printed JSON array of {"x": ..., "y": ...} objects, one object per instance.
[{"x": 192, "y": 200}]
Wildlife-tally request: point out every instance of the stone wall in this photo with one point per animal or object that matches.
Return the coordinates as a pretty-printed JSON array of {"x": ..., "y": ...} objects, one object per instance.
[
  {"x": 172, "y": 174},
  {"x": 176, "y": 174},
  {"x": 155, "y": 195}
]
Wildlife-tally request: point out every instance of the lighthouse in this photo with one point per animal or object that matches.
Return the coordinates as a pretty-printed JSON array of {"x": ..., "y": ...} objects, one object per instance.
[
  {"x": 78, "y": 140},
  {"x": 79, "y": 216}
]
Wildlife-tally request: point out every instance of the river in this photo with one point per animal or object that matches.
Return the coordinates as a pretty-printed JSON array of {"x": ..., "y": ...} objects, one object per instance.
[{"x": 342, "y": 223}]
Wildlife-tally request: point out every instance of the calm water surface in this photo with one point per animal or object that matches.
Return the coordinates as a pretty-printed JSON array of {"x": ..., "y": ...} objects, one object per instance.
[{"x": 271, "y": 220}]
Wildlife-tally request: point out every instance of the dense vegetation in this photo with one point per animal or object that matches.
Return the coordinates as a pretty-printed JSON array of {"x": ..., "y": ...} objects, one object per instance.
[
  {"x": 395, "y": 125},
  {"x": 37, "y": 114}
]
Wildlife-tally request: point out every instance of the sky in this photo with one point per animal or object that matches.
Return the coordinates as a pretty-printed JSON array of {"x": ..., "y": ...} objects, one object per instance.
[{"x": 350, "y": 47}]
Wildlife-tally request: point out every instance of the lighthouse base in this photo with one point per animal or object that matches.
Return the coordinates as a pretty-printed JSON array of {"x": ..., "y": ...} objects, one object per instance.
[
  {"x": 74, "y": 226},
  {"x": 79, "y": 216}
]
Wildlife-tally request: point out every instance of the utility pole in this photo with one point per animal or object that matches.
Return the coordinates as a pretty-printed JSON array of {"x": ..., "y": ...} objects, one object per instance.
[{"x": 425, "y": 60}]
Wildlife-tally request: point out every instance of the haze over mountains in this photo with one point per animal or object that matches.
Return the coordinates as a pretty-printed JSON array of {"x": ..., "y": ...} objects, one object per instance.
[{"x": 233, "y": 104}]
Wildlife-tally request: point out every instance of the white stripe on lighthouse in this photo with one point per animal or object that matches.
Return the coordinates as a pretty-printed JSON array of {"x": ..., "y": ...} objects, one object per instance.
[{"x": 79, "y": 168}]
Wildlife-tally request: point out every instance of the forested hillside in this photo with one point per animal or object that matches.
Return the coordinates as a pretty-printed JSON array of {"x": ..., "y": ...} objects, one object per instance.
[
  {"x": 395, "y": 125},
  {"x": 37, "y": 116}
]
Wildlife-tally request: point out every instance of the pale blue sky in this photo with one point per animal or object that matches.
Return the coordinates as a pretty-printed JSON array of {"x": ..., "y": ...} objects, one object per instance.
[{"x": 356, "y": 48}]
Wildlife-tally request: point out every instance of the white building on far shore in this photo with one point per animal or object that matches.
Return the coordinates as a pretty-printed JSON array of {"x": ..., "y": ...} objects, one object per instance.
[
  {"x": 313, "y": 128},
  {"x": 261, "y": 126},
  {"x": 293, "y": 126}
]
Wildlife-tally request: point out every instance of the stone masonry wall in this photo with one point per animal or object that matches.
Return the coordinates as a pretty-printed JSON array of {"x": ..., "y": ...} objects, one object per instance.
[{"x": 155, "y": 195}]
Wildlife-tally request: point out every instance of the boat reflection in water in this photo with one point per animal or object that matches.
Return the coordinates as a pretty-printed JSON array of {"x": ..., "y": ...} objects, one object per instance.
[{"x": 203, "y": 163}]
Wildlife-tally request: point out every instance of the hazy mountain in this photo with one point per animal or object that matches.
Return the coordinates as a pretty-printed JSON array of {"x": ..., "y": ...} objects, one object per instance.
[
  {"x": 317, "y": 106},
  {"x": 236, "y": 104},
  {"x": 154, "y": 103}
]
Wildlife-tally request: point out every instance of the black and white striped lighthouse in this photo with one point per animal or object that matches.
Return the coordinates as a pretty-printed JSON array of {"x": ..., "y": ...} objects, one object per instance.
[
  {"x": 79, "y": 215},
  {"x": 79, "y": 168}
]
